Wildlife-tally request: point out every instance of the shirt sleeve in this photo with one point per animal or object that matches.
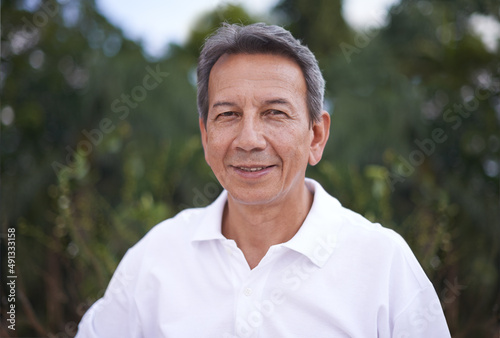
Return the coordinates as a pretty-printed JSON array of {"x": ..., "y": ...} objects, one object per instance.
[
  {"x": 114, "y": 315},
  {"x": 415, "y": 310},
  {"x": 423, "y": 317}
]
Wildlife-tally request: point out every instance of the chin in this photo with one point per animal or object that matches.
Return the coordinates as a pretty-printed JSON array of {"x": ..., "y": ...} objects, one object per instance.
[{"x": 250, "y": 198}]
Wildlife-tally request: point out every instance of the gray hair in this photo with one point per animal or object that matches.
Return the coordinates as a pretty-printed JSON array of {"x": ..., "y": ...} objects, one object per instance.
[{"x": 254, "y": 39}]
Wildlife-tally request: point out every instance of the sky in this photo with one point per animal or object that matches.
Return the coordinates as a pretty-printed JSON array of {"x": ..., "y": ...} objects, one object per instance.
[{"x": 155, "y": 23}]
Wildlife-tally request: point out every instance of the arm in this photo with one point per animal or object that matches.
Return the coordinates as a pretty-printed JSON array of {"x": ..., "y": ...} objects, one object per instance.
[
  {"x": 422, "y": 318},
  {"x": 114, "y": 315}
]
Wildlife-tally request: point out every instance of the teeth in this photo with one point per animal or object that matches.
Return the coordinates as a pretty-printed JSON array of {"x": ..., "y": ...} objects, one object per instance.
[{"x": 251, "y": 169}]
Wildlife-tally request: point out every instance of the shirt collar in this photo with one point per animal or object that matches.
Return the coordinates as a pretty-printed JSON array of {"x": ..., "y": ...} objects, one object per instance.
[
  {"x": 210, "y": 224},
  {"x": 316, "y": 238}
]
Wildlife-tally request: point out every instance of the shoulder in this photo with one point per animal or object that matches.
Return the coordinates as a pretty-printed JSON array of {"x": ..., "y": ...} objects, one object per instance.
[
  {"x": 359, "y": 228},
  {"x": 180, "y": 226},
  {"x": 381, "y": 247},
  {"x": 165, "y": 238},
  {"x": 350, "y": 224},
  {"x": 367, "y": 245},
  {"x": 354, "y": 224}
]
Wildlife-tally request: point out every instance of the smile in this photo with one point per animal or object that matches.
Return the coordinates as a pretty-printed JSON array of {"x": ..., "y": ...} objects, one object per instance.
[{"x": 252, "y": 169}]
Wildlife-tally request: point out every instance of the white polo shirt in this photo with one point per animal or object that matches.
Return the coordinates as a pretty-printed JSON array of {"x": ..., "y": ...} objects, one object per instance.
[{"x": 339, "y": 276}]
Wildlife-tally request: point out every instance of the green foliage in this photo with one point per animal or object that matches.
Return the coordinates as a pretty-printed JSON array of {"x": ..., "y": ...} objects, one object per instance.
[{"x": 104, "y": 144}]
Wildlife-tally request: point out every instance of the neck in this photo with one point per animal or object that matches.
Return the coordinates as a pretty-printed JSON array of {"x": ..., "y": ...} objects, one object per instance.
[{"x": 255, "y": 228}]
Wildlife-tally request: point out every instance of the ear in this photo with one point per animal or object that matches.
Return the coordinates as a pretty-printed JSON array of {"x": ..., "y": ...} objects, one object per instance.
[
  {"x": 321, "y": 132},
  {"x": 204, "y": 137}
]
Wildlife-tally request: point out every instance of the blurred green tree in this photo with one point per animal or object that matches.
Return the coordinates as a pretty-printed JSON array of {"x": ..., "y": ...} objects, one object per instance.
[{"x": 99, "y": 142}]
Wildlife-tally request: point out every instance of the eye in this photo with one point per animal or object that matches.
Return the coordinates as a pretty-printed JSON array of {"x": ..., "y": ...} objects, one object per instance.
[
  {"x": 226, "y": 114},
  {"x": 275, "y": 112}
]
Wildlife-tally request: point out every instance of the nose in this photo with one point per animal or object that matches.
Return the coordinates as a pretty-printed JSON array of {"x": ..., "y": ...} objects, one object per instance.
[{"x": 250, "y": 136}]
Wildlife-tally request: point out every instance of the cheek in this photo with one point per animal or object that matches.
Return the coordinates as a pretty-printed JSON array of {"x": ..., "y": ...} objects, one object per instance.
[
  {"x": 215, "y": 148},
  {"x": 292, "y": 143}
]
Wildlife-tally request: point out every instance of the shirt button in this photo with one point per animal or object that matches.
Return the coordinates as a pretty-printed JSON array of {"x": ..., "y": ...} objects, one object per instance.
[{"x": 247, "y": 291}]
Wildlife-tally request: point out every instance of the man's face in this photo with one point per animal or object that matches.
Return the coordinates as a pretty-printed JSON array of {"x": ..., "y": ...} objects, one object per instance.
[{"x": 258, "y": 138}]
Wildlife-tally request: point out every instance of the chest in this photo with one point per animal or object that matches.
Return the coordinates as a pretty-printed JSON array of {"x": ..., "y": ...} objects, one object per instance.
[{"x": 286, "y": 295}]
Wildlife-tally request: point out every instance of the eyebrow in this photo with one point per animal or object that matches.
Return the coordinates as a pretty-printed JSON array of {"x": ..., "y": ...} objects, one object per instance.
[
  {"x": 267, "y": 102},
  {"x": 223, "y": 104},
  {"x": 278, "y": 101}
]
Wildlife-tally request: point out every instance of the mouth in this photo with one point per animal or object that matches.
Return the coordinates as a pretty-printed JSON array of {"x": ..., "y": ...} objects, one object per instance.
[{"x": 252, "y": 169}]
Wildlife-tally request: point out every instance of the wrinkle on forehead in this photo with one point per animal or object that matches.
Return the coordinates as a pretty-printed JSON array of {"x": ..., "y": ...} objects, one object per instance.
[{"x": 265, "y": 76}]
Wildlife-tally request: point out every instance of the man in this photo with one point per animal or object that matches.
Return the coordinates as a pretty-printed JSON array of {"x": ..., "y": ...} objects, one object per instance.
[{"x": 274, "y": 255}]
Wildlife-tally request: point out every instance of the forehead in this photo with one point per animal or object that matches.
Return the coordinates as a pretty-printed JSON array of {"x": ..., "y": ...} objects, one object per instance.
[{"x": 256, "y": 74}]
